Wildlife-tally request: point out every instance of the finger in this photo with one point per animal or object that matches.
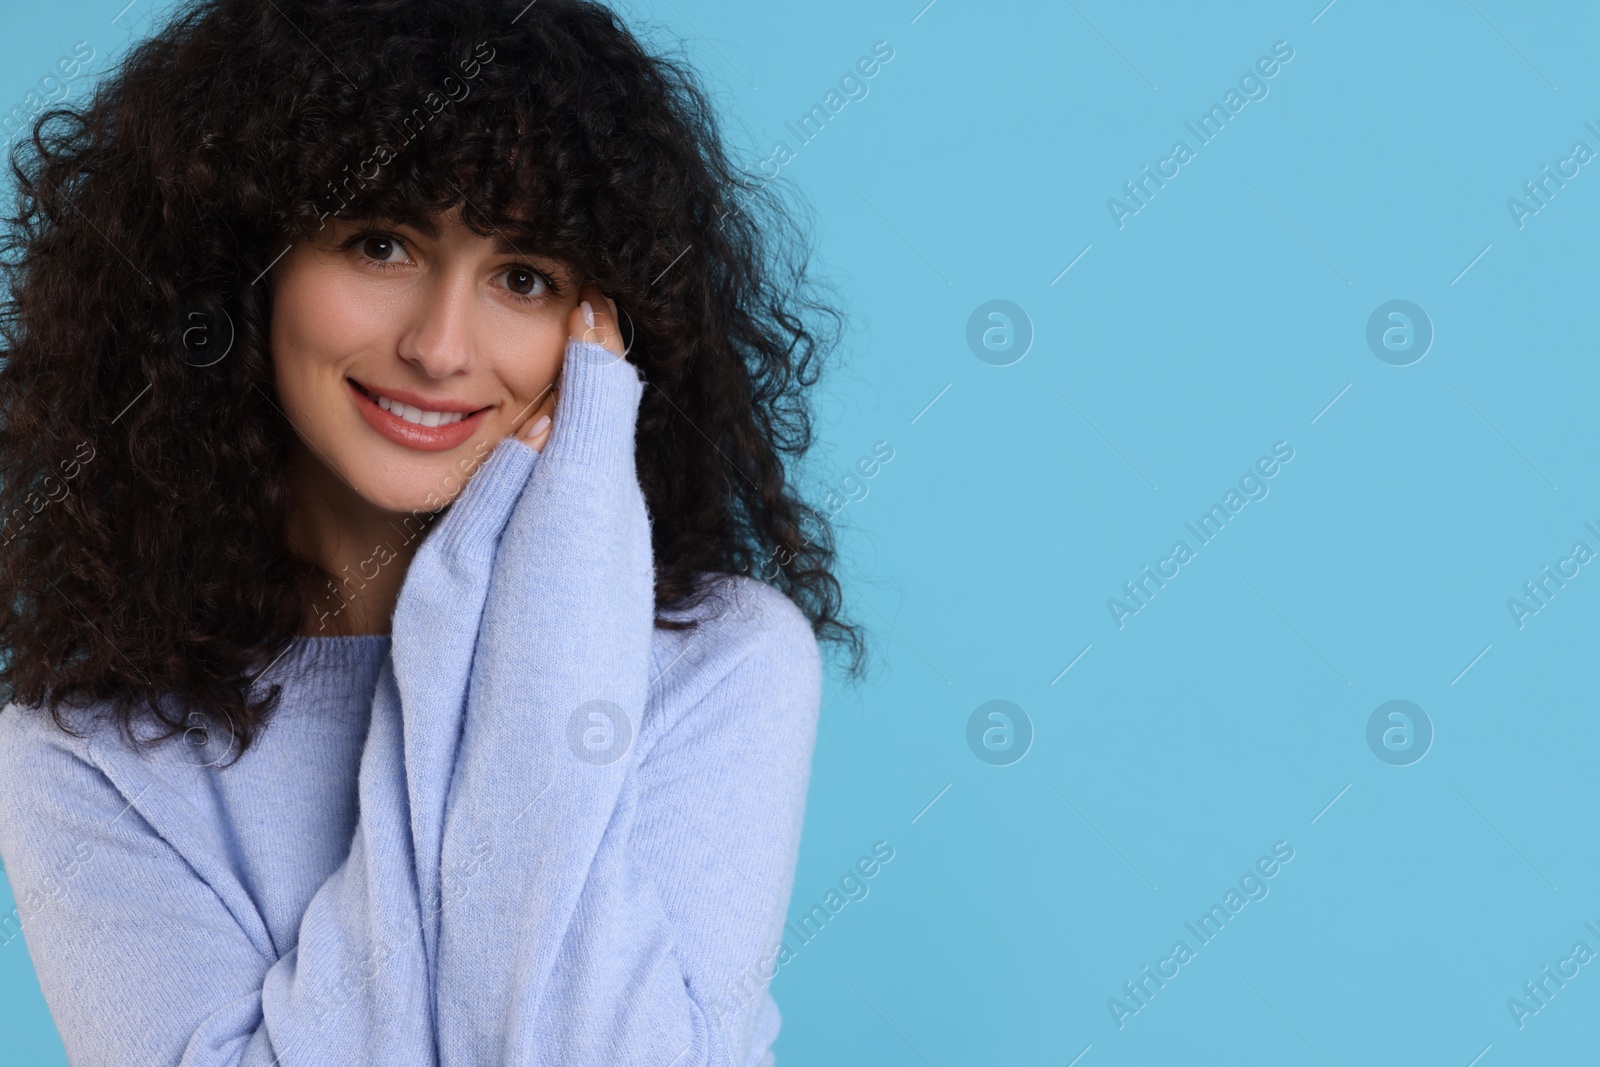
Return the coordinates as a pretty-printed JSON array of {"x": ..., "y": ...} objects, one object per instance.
[
  {"x": 595, "y": 320},
  {"x": 520, "y": 423},
  {"x": 620, "y": 349},
  {"x": 537, "y": 432}
]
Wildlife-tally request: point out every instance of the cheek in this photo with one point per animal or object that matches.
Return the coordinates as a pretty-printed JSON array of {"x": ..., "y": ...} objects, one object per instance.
[
  {"x": 320, "y": 316},
  {"x": 527, "y": 357}
]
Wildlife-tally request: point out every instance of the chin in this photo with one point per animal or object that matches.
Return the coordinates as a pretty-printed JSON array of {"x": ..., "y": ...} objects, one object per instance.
[
  {"x": 419, "y": 483},
  {"x": 423, "y": 490}
]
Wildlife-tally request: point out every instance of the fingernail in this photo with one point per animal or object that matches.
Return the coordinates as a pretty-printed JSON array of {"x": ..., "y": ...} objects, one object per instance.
[
  {"x": 588, "y": 312},
  {"x": 538, "y": 425}
]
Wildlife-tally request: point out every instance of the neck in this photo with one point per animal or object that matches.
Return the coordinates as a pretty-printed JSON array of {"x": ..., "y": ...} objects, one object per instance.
[{"x": 365, "y": 550}]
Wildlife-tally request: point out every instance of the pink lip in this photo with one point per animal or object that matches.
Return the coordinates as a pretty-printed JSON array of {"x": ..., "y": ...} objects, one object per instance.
[{"x": 409, "y": 434}]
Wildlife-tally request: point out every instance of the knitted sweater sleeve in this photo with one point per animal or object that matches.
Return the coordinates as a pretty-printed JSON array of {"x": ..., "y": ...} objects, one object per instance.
[
  {"x": 642, "y": 843},
  {"x": 148, "y": 947}
]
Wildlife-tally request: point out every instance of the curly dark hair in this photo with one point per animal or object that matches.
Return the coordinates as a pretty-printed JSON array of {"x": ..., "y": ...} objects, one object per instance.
[{"x": 143, "y": 491}]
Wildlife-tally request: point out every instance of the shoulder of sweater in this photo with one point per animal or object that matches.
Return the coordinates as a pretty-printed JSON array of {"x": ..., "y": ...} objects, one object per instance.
[
  {"x": 738, "y": 616},
  {"x": 749, "y": 638},
  {"x": 43, "y": 769},
  {"x": 33, "y": 746},
  {"x": 27, "y": 734}
]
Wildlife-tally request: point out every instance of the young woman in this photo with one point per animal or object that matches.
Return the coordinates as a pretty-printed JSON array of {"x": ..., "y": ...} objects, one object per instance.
[{"x": 411, "y": 639}]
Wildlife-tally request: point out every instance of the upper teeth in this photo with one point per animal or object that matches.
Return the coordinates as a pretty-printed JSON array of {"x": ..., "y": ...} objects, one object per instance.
[{"x": 418, "y": 415}]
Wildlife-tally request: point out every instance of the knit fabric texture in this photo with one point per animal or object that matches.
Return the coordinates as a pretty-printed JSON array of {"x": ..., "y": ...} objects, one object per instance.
[{"x": 526, "y": 828}]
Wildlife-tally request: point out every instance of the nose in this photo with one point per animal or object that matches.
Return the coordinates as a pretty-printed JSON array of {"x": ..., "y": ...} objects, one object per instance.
[{"x": 437, "y": 339}]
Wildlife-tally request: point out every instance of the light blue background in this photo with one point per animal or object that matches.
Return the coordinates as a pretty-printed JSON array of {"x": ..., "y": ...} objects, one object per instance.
[{"x": 1230, "y": 712}]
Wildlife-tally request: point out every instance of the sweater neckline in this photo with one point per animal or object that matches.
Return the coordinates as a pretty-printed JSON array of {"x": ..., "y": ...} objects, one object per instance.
[
  {"x": 316, "y": 640},
  {"x": 328, "y": 673},
  {"x": 342, "y": 649}
]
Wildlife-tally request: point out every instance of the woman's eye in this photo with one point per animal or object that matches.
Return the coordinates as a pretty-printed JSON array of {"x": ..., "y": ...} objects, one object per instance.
[
  {"x": 525, "y": 282},
  {"x": 379, "y": 247}
]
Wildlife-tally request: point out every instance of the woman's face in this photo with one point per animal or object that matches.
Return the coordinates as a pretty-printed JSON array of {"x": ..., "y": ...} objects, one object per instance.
[{"x": 403, "y": 352}]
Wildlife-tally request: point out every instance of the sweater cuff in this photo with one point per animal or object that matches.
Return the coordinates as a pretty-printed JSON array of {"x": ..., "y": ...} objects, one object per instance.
[
  {"x": 474, "y": 523},
  {"x": 598, "y": 407}
]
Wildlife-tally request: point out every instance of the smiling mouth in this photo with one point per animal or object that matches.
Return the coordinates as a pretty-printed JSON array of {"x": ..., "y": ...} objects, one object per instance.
[{"x": 424, "y": 417}]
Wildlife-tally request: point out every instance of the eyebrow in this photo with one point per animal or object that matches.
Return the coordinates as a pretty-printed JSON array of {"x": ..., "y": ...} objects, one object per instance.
[{"x": 503, "y": 244}]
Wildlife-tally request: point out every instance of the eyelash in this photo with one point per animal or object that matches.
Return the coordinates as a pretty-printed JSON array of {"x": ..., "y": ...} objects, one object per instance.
[{"x": 552, "y": 287}]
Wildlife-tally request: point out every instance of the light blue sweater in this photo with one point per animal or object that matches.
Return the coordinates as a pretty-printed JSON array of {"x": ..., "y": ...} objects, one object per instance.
[{"x": 525, "y": 828}]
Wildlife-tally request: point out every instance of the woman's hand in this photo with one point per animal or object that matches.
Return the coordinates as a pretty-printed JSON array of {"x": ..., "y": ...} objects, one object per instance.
[{"x": 593, "y": 320}]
